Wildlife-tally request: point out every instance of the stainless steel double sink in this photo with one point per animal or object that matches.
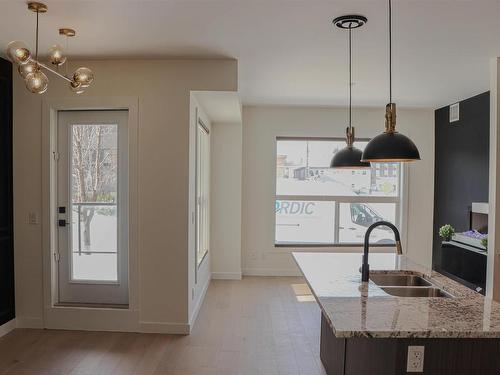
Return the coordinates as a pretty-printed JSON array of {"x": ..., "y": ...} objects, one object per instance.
[{"x": 407, "y": 285}]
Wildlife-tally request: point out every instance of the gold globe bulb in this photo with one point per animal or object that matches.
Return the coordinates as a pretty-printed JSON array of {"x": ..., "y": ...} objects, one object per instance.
[
  {"x": 37, "y": 82},
  {"x": 83, "y": 76},
  {"x": 56, "y": 55},
  {"x": 17, "y": 52},
  {"x": 76, "y": 87},
  {"x": 28, "y": 68}
]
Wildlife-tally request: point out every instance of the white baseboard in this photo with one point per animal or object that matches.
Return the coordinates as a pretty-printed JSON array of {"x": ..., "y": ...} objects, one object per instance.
[
  {"x": 8, "y": 327},
  {"x": 91, "y": 319},
  {"x": 170, "y": 328},
  {"x": 145, "y": 327},
  {"x": 271, "y": 272},
  {"x": 226, "y": 275},
  {"x": 29, "y": 322},
  {"x": 197, "y": 307}
]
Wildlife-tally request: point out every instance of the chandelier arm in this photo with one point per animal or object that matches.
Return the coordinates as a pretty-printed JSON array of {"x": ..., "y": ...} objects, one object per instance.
[
  {"x": 67, "y": 52},
  {"x": 54, "y": 72}
]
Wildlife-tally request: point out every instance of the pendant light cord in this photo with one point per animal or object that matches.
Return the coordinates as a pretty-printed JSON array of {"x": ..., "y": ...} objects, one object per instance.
[
  {"x": 350, "y": 78},
  {"x": 36, "y": 36},
  {"x": 390, "y": 51}
]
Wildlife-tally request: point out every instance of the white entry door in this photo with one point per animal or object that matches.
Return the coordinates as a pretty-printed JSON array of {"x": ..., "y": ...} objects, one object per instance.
[{"x": 92, "y": 207}]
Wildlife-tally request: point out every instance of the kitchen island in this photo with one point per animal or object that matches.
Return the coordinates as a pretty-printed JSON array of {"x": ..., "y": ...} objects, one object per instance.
[{"x": 367, "y": 329}]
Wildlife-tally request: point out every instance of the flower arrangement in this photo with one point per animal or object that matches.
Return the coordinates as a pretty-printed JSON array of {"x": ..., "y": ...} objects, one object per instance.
[{"x": 446, "y": 232}]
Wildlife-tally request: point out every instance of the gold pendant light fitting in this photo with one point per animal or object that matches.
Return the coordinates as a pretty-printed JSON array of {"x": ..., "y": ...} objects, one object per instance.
[
  {"x": 66, "y": 31},
  {"x": 30, "y": 68},
  {"x": 390, "y": 118},
  {"x": 37, "y": 7}
]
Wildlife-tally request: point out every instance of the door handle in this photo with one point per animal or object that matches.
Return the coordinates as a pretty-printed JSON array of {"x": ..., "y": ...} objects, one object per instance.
[{"x": 63, "y": 223}]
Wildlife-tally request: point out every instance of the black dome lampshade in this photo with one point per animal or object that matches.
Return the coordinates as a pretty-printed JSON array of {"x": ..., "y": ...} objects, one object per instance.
[
  {"x": 390, "y": 146},
  {"x": 349, "y": 157}
]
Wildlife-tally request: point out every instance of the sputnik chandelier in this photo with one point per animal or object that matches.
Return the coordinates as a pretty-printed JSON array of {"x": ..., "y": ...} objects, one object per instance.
[{"x": 31, "y": 69}]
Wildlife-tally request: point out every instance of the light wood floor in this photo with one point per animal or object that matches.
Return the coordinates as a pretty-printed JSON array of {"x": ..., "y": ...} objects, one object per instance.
[{"x": 257, "y": 326}]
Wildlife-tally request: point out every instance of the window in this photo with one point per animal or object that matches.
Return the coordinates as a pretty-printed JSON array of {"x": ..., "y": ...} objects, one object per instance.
[
  {"x": 318, "y": 205},
  {"x": 202, "y": 192}
]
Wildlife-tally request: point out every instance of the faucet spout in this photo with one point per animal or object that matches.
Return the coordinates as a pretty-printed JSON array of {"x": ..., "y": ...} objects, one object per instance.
[{"x": 365, "y": 268}]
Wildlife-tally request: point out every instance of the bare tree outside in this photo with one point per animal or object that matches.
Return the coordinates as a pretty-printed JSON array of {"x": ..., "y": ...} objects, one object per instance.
[{"x": 94, "y": 173}]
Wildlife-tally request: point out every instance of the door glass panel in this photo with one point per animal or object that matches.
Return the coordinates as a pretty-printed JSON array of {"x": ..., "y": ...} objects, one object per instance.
[
  {"x": 94, "y": 197},
  {"x": 100, "y": 267}
]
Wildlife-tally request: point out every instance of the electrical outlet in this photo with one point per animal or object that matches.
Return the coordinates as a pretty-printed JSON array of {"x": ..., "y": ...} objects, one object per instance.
[
  {"x": 32, "y": 218},
  {"x": 415, "y": 361}
]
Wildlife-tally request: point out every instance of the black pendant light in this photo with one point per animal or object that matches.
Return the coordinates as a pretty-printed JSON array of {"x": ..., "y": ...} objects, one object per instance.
[
  {"x": 390, "y": 146},
  {"x": 349, "y": 157}
]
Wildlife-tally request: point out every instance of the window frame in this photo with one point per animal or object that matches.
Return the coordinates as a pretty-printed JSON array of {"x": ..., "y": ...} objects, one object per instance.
[
  {"x": 399, "y": 200},
  {"x": 202, "y": 194}
]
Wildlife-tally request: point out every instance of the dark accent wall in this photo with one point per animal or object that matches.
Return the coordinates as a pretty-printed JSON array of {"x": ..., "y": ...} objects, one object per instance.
[
  {"x": 461, "y": 165},
  {"x": 7, "y": 305}
]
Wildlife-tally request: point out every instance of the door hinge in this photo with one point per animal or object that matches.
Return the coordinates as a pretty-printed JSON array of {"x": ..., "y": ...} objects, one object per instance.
[
  {"x": 56, "y": 155},
  {"x": 57, "y": 257}
]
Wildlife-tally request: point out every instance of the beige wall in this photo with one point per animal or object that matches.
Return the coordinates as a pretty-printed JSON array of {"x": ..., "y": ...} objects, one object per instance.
[
  {"x": 261, "y": 126},
  {"x": 225, "y": 224},
  {"x": 163, "y": 91}
]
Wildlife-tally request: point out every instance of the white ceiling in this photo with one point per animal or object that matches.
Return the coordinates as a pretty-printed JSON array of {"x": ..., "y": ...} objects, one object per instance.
[{"x": 288, "y": 51}]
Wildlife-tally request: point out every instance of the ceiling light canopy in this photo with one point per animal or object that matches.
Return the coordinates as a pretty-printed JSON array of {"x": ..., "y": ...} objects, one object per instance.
[
  {"x": 349, "y": 157},
  {"x": 390, "y": 146},
  {"x": 30, "y": 68}
]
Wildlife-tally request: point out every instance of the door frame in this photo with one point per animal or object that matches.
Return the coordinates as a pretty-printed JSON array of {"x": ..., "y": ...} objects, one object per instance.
[
  {"x": 97, "y": 288},
  {"x": 97, "y": 318}
]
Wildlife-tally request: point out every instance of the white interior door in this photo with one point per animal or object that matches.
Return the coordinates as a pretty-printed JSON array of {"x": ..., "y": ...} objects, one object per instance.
[{"x": 92, "y": 207}]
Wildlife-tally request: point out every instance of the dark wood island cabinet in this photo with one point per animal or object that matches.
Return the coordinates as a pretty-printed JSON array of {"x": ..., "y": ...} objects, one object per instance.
[{"x": 389, "y": 356}]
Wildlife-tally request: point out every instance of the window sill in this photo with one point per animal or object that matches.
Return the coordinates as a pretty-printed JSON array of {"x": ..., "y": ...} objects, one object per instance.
[{"x": 333, "y": 246}]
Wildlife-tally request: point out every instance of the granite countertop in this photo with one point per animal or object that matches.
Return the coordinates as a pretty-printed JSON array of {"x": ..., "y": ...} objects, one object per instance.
[{"x": 356, "y": 309}]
